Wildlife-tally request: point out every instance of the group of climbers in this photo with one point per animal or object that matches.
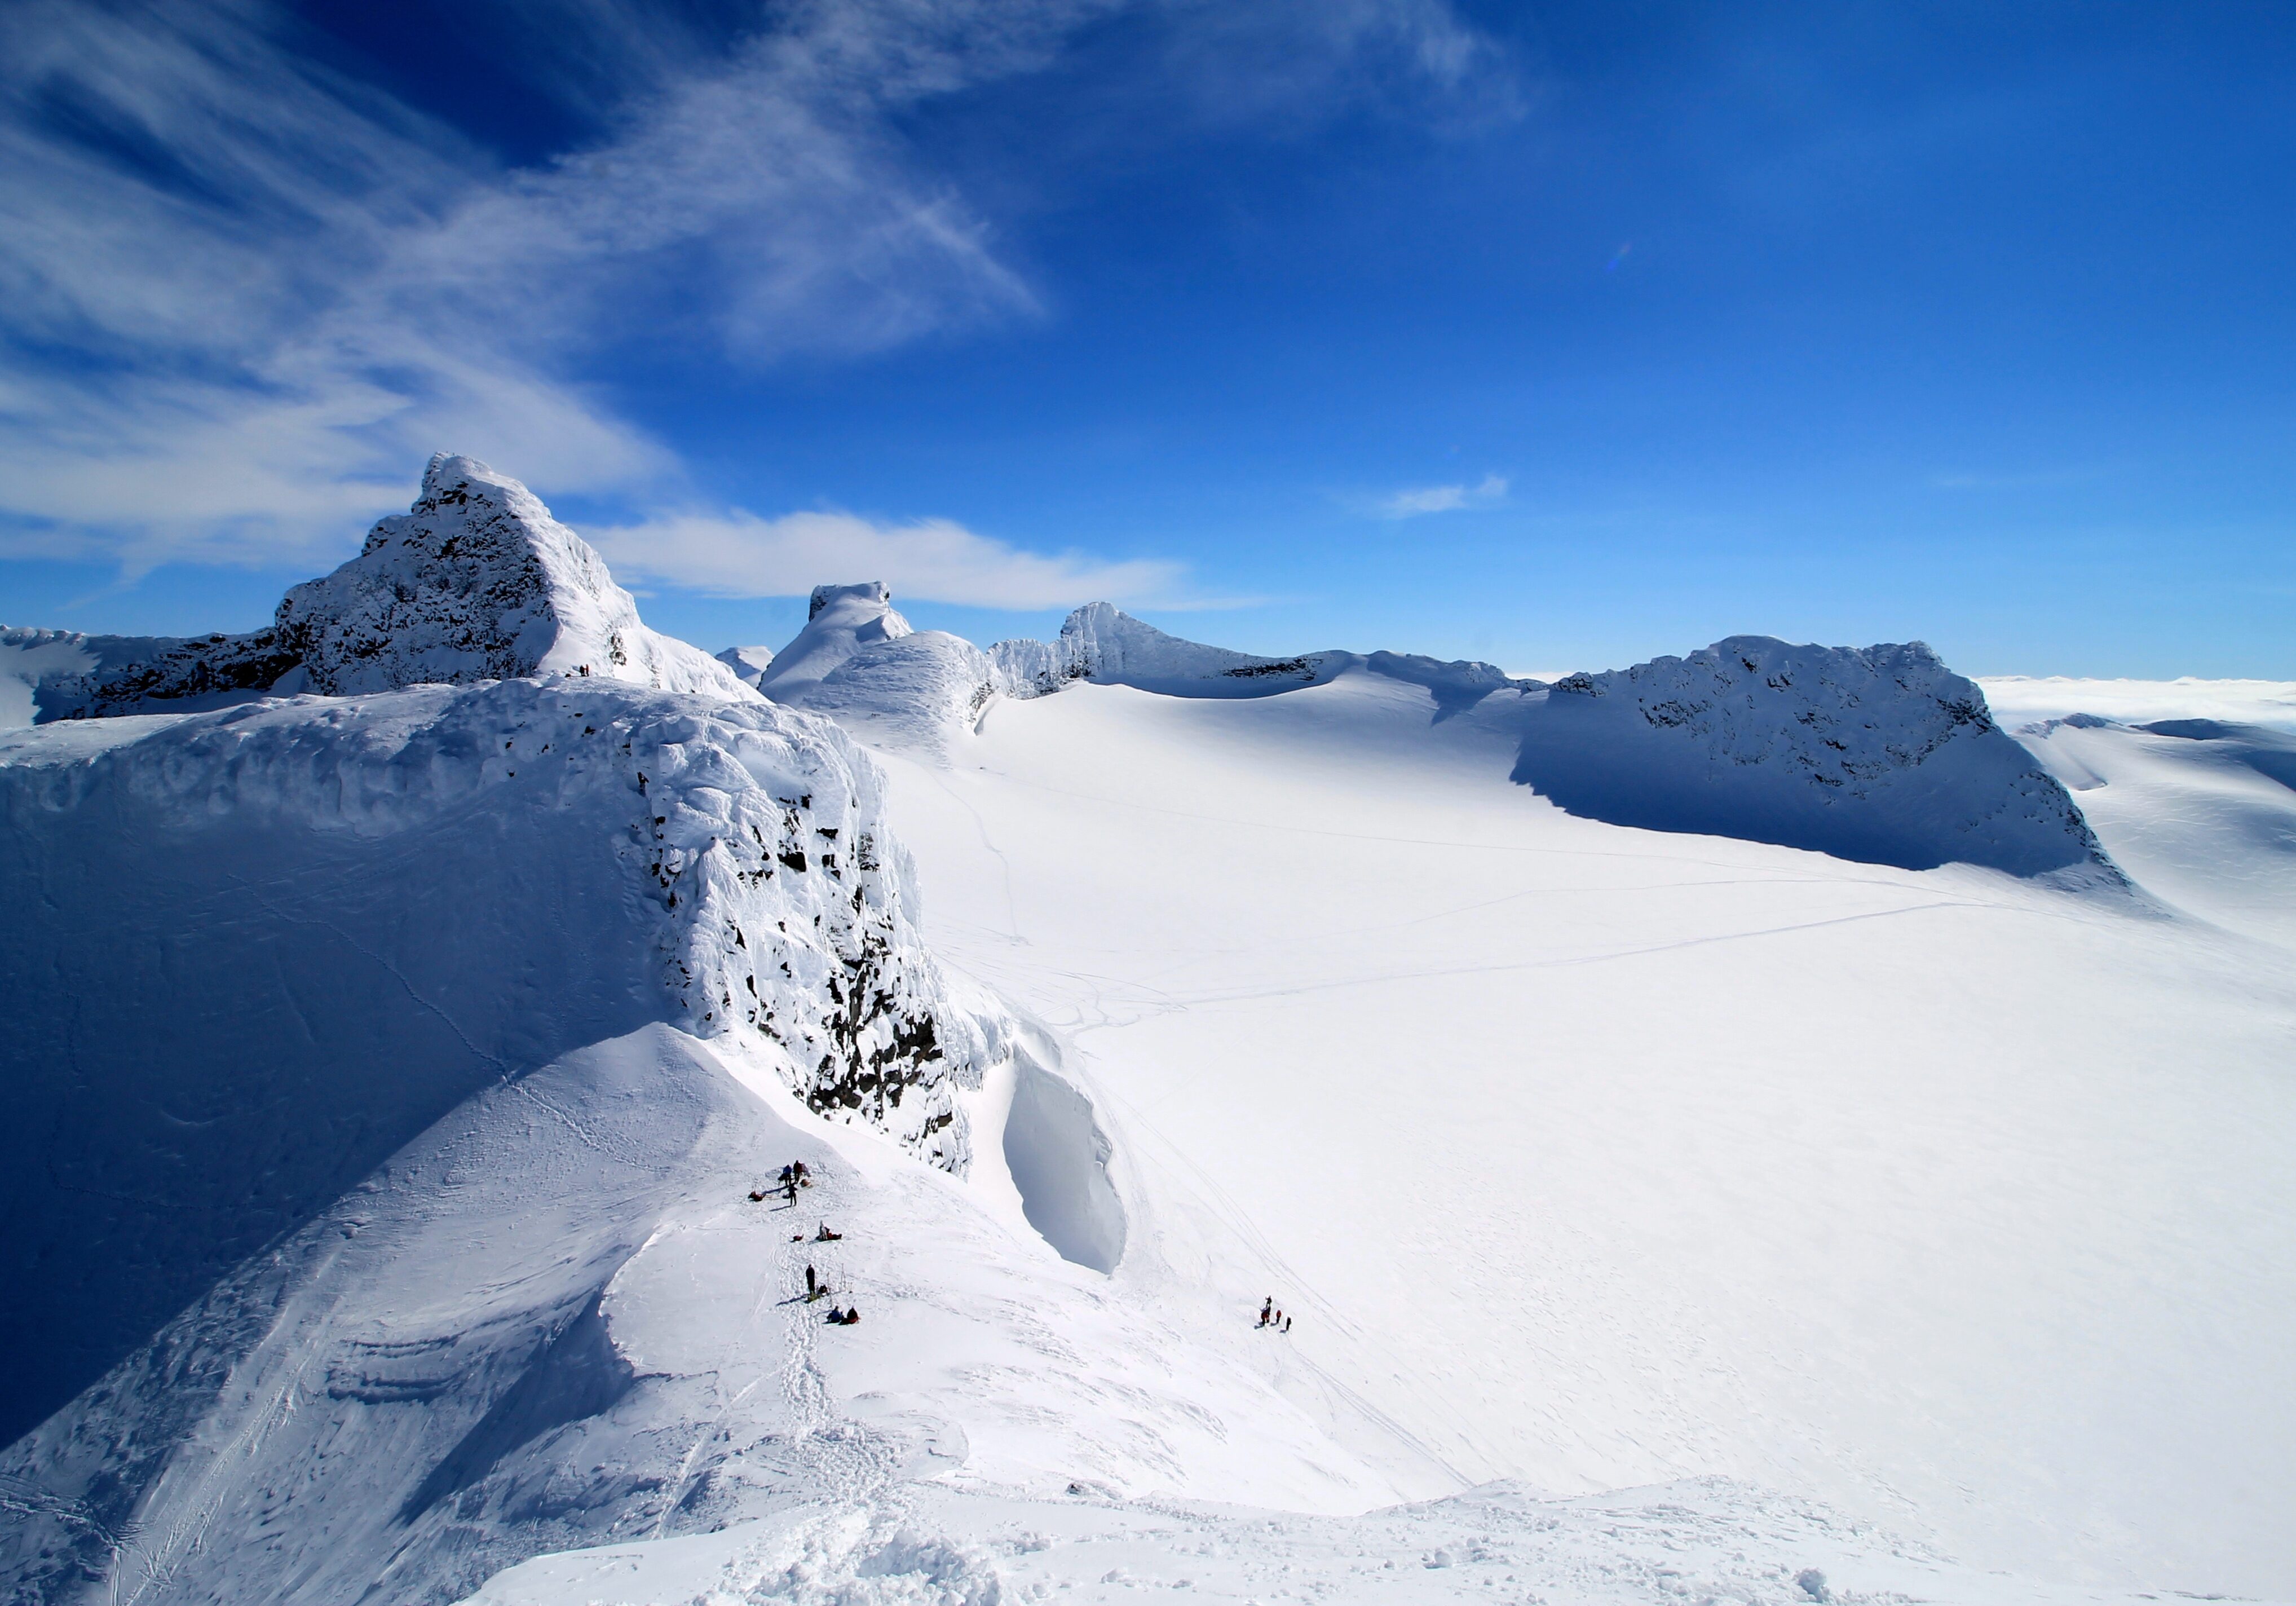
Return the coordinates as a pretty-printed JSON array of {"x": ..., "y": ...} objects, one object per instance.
[
  {"x": 793, "y": 1177},
  {"x": 1270, "y": 1316}
]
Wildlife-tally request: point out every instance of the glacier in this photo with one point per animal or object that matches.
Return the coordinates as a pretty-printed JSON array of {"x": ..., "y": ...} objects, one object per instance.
[{"x": 1763, "y": 1126}]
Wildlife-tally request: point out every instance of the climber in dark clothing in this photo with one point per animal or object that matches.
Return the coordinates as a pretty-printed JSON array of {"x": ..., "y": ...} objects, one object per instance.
[
  {"x": 1287, "y": 1324},
  {"x": 836, "y": 1318},
  {"x": 809, "y": 1284},
  {"x": 804, "y": 1178},
  {"x": 1267, "y": 1310},
  {"x": 852, "y": 1318}
]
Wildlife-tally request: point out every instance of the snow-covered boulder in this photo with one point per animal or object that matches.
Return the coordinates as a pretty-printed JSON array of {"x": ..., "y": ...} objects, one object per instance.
[
  {"x": 477, "y": 582},
  {"x": 1881, "y": 754},
  {"x": 283, "y": 938}
]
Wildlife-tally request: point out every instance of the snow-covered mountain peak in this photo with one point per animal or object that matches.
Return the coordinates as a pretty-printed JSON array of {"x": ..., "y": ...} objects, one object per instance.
[
  {"x": 476, "y": 581},
  {"x": 1878, "y": 753}
]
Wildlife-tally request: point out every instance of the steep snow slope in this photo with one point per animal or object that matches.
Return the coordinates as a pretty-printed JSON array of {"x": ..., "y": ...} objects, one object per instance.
[
  {"x": 250, "y": 953},
  {"x": 555, "y": 1318},
  {"x": 476, "y": 582},
  {"x": 1882, "y": 755},
  {"x": 1598, "y": 1156}
]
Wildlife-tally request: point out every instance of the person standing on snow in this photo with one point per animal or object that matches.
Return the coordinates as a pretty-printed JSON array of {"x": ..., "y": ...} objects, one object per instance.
[{"x": 1265, "y": 1310}]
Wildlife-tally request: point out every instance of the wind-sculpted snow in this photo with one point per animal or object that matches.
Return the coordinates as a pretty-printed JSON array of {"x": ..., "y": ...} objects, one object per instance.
[
  {"x": 1882, "y": 755},
  {"x": 476, "y": 582},
  {"x": 858, "y": 661},
  {"x": 252, "y": 951}
]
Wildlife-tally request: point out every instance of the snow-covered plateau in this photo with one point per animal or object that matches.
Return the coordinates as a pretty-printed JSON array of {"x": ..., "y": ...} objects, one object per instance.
[{"x": 1780, "y": 1125}]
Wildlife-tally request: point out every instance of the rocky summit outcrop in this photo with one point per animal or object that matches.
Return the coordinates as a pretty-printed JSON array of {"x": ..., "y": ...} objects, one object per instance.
[
  {"x": 475, "y": 582},
  {"x": 1880, "y": 754}
]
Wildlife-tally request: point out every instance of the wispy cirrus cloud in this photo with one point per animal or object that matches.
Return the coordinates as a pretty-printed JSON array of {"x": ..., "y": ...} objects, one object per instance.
[
  {"x": 739, "y": 555},
  {"x": 1415, "y": 500},
  {"x": 243, "y": 296}
]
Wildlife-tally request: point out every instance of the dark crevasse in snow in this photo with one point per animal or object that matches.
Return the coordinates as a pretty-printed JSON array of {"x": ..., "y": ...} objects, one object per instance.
[
  {"x": 1882, "y": 755},
  {"x": 1058, "y": 1157}
]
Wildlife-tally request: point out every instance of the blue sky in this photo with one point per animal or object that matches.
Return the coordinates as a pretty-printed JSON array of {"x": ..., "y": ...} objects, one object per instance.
[{"x": 1559, "y": 336}]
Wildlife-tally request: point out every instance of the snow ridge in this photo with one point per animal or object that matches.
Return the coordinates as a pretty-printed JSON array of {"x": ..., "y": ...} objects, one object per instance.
[
  {"x": 1881, "y": 754},
  {"x": 1100, "y": 642}
]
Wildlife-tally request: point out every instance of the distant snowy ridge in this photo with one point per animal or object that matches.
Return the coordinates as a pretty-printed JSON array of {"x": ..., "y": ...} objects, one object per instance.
[
  {"x": 475, "y": 582},
  {"x": 1881, "y": 754},
  {"x": 859, "y": 662},
  {"x": 1101, "y": 643}
]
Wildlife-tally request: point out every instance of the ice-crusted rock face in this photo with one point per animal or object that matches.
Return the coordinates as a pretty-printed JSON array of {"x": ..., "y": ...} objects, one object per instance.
[
  {"x": 477, "y": 582},
  {"x": 1881, "y": 754},
  {"x": 63, "y": 675},
  {"x": 753, "y": 843}
]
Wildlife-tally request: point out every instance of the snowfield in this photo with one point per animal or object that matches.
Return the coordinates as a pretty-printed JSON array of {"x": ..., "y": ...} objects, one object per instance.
[{"x": 399, "y": 1082}]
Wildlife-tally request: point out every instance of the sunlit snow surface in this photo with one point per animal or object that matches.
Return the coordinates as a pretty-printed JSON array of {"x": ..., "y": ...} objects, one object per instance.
[
  {"x": 1882, "y": 1234},
  {"x": 1597, "y": 1157}
]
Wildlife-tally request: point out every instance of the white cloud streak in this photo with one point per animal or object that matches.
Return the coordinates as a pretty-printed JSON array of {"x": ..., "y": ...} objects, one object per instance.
[
  {"x": 741, "y": 554},
  {"x": 1410, "y": 504},
  {"x": 242, "y": 299}
]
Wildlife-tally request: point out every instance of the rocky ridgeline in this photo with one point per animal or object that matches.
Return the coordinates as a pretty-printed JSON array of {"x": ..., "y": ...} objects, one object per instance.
[
  {"x": 475, "y": 582},
  {"x": 1881, "y": 754}
]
